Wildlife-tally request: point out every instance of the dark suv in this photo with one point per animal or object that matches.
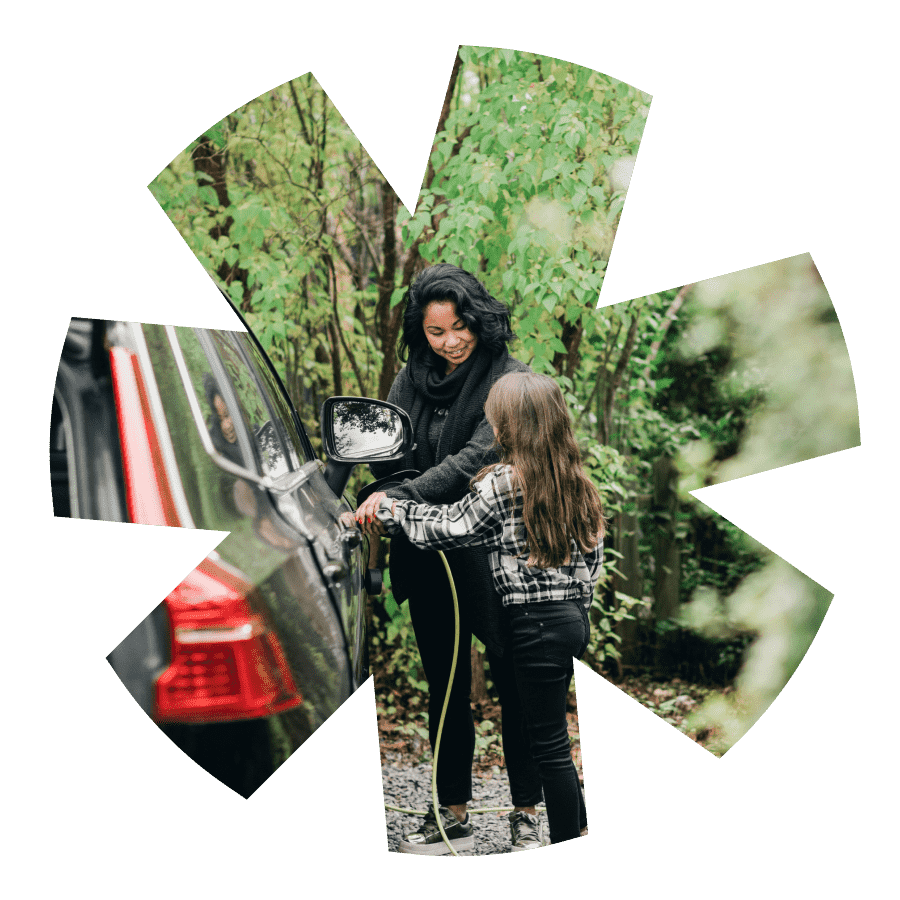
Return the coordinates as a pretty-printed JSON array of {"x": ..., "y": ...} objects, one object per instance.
[{"x": 192, "y": 428}]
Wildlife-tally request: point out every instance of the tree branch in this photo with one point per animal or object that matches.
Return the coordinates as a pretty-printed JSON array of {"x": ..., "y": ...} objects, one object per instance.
[
  {"x": 413, "y": 256},
  {"x": 671, "y": 314},
  {"x": 613, "y": 384},
  {"x": 340, "y": 331}
]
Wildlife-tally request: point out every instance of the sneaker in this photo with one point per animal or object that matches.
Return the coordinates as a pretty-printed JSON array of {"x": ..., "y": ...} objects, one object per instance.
[
  {"x": 427, "y": 840},
  {"x": 527, "y": 831}
]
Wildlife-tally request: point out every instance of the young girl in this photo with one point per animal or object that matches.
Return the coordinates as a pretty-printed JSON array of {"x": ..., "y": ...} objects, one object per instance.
[{"x": 542, "y": 519}]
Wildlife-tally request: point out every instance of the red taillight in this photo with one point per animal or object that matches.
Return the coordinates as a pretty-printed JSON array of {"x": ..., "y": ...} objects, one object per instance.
[
  {"x": 225, "y": 664},
  {"x": 147, "y": 489}
]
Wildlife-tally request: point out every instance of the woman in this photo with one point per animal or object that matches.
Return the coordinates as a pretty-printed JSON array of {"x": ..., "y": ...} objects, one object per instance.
[
  {"x": 542, "y": 517},
  {"x": 455, "y": 336}
]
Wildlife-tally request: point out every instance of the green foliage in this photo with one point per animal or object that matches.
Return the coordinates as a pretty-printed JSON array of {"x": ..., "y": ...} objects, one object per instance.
[
  {"x": 522, "y": 193},
  {"x": 487, "y": 739},
  {"x": 722, "y": 555},
  {"x": 270, "y": 200},
  {"x": 287, "y": 212},
  {"x": 781, "y": 326}
]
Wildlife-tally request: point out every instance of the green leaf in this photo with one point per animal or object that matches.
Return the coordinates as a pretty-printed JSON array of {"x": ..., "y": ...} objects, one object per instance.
[
  {"x": 557, "y": 346},
  {"x": 583, "y": 294},
  {"x": 417, "y": 225},
  {"x": 215, "y": 134}
]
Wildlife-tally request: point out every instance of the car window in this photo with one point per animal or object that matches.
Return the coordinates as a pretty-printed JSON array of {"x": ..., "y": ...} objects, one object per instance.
[
  {"x": 297, "y": 443},
  {"x": 247, "y": 416},
  {"x": 264, "y": 425}
]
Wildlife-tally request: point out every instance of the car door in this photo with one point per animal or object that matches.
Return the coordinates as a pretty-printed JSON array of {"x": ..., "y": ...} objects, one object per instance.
[
  {"x": 270, "y": 626},
  {"x": 207, "y": 444},
  {"x": 282, "y": 489},
  {"x": 292, "y": 477}
]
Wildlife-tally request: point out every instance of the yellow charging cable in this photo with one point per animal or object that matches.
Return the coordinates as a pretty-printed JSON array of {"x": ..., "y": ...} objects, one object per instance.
[{"x": 440, "y": 730}]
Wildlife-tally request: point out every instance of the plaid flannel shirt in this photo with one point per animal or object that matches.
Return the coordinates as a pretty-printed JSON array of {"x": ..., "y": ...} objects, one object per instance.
[{"x": 490, "y": 516}]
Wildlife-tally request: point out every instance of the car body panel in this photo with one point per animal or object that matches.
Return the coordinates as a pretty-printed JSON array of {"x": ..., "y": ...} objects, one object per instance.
[{"x": 303, "y": 568}]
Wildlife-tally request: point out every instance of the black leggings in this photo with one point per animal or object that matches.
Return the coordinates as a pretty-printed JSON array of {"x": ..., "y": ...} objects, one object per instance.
[{"x": 537, "y": 664}]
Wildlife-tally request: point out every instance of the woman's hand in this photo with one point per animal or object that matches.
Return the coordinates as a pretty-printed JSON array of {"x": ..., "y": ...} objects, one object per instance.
[
  {"x": 348, "y": 520},
  {"x": 373, "y": 528},
  {"x": 365, "y": 515}
]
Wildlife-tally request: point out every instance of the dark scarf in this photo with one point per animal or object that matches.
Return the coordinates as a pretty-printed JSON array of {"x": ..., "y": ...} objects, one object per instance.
[{"x": 461, "y": 395}]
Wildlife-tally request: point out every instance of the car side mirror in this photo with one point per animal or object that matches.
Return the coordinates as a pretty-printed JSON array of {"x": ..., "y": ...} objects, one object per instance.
[{"x": 360, "y": 430}]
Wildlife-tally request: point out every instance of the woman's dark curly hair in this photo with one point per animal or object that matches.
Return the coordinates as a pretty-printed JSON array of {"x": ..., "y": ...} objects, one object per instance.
[{"x": 485, "y": 316}]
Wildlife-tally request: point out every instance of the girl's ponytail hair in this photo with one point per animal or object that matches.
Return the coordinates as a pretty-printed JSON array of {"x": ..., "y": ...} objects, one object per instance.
[{"x": 534, "y": 435}]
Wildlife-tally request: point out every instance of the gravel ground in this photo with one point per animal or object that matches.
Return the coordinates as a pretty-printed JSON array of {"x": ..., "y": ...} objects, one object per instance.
[{"x": 410, "y": 788}]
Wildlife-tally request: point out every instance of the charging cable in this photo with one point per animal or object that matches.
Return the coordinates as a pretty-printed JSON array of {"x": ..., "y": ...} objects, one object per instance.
[
  {"x": 382, "y": 484},
  {"x": 440, "y": 729}
]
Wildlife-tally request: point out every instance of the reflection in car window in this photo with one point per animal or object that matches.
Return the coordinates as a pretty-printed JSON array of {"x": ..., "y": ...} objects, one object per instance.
[
  {"x": 269, "y": 425},
  {"x": 255, "y": 412},
  {"x": 221, "y": 423},
  {"x": 298, "y": 448}
]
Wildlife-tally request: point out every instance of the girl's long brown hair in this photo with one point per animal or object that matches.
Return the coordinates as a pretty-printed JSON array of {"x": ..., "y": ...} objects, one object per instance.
[{"x": 534, "y": 436}]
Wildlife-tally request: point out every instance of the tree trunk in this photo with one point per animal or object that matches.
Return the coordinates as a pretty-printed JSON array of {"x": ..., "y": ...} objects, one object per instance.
[
  {"x": 388, "y": 319},
  {"x": 209, "y": 160},
  {"x": 613, "y": 384},
  {"x": 479, "y": 692},
  {"x": 566, "y": 363}
]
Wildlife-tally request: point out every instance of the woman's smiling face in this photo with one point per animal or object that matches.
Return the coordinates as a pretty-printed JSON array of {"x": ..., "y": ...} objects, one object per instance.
[{"x": 447, "y": 334}]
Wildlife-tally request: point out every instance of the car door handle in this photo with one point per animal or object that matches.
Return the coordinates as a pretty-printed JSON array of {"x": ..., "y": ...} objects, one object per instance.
[{"x": 334, "y": 571}]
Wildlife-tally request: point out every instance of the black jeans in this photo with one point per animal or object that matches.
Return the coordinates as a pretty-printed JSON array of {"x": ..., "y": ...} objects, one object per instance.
[{"x": 536, "y": 667}]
